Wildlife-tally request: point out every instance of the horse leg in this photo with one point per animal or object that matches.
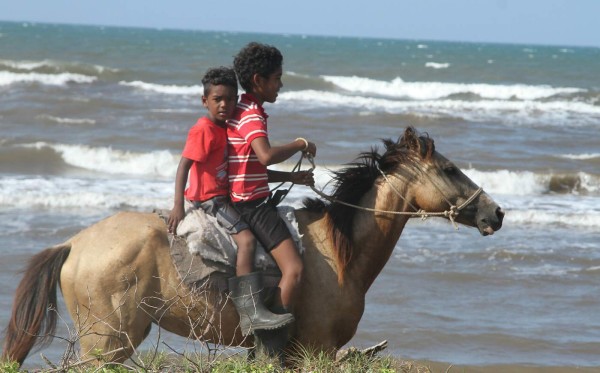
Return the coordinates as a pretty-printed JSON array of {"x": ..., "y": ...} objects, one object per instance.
[
  {"x": 111, "y": 285},
  {"x": 109, "y": 313},
  {"x": 109, "y": 327}
]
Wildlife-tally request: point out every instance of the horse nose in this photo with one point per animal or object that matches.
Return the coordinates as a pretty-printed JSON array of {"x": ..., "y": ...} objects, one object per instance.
[
  {"x": 492, "y": 221},
  {"x": 499, "y": 218},
  {"x": 500, "y": 213}
]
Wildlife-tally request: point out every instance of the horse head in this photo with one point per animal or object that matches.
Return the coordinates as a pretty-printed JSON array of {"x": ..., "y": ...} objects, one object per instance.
[
  {"x": 438, "y": 186},
  {"x": 409, "y": 179}
]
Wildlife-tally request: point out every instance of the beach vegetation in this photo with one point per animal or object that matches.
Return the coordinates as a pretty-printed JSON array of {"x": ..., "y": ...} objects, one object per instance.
[
  {"x": 304, "y": 362},
  {"x": 9, "y": 367}
]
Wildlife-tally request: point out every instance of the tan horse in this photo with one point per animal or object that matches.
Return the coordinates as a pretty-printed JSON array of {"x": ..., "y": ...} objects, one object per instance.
[{"x": 117, "y": 277}]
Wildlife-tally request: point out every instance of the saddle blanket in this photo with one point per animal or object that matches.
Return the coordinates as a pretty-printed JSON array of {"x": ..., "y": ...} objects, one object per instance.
[{"x": 204, "y": 252}]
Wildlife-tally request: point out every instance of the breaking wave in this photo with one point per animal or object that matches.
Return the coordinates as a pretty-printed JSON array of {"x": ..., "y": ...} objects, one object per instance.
[
  {"x": 437, "y": 90},
  {"x": 8, "y": 78},
  {"x": 163, "y": 164},
  {"x": 165, "y": 89},
  {"x": 511, "y": 112}
]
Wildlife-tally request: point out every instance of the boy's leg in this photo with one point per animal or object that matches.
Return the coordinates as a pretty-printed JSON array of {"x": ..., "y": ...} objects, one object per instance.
[
  {"x": 246, "y": 287},
  {"x": 270, "y": 229},
  {"x": 291, "y": 266},
  {"x": 230, "y": 219},
  {"x": 246, "y": 244}
]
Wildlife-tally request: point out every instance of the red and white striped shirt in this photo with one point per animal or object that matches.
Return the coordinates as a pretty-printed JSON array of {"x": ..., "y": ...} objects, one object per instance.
[{"x": 248, "y": 179}]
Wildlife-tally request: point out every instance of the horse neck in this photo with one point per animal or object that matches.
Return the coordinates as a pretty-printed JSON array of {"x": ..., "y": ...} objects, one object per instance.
[{"x": 376, "y": 234}]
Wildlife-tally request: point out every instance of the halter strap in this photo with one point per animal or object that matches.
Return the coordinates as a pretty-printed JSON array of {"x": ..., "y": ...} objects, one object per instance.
[{"x": 451, "y": 213}]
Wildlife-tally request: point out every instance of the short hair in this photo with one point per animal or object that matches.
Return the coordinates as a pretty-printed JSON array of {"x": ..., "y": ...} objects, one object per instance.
[
  {"x": 219, "y": 76},
  {"x": 256, "y": 58}
]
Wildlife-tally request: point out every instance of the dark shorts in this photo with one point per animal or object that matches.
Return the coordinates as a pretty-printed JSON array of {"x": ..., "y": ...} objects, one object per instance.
[
  {"x": 264, "y": 221},
  {"x": 221, "y": 208}
]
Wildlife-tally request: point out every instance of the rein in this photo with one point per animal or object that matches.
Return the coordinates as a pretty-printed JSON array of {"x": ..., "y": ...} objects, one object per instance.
[{"x": 451, "y": 213}]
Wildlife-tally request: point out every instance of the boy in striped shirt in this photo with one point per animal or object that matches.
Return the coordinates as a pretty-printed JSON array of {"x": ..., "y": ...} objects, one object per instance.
[{"x": 259, "y": 70}]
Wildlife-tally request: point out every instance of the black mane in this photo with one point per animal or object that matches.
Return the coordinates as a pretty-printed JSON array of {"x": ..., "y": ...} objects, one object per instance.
[{"x": 357, "y": 178}]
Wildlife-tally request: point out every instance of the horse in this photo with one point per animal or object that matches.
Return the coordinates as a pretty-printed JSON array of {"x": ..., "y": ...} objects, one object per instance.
[{"x": 117, "y": 277}]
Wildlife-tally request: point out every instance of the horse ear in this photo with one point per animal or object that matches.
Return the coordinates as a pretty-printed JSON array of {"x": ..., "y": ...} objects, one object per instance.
[
  {"x": 410, "y": 139},
  {"x": 422, "y": 145},
  {"x": 388, "y": 143}
]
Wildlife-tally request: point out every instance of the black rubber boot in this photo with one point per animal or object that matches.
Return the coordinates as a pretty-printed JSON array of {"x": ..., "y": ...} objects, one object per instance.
[{"x": 246, "y": 295}]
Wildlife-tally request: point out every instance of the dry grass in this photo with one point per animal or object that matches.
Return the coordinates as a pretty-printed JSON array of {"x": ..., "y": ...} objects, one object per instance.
[{"x": 152, "y": 362}]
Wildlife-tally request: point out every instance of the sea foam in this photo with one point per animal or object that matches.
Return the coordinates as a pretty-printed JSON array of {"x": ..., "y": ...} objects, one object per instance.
[
  {"x": 61, "y": 120},
  {"x": 581, "y": 156},
  {"x": 128, "y": 192},
  {"x": 60, "y": 192},
  {"x": 146, "y": 181},
  {"x": 8, "y": 78},
  {"x": 513, "y": 113},
  {"x": 437, "y": 90},
  {"x": 26, "y": 65},
  {"x": 163, "y": 164},
  {"x": 54, "y": 66},
  {"x": 165, "y": 89},
  {"x": 158, "y": 163},
  {"x": 585, "y": 219},
  {"x": 437, "y": 65},
  {"x": 527, "y": 183}
]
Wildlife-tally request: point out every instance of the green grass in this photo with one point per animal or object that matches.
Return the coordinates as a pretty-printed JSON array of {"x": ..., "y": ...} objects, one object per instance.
[{"x": 304, "y": 362}]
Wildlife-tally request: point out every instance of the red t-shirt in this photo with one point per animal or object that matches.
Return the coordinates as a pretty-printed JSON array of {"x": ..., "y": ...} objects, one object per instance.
[
  {"x": 247, "y": 176},
  {"x": 206, "y": 145}
]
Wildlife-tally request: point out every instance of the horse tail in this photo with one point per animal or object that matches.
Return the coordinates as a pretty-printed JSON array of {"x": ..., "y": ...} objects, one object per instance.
[{"x": 34, "y": 312}]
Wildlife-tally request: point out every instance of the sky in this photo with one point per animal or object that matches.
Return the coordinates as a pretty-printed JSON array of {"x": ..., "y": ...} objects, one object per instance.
[{"x": 548, "y": 22}]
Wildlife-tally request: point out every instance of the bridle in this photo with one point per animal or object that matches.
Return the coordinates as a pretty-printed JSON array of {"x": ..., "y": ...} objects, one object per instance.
[{"x": 452, "y": 212}]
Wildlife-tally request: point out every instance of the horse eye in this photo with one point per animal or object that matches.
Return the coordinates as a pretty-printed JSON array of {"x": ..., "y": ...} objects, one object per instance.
[{"x": 450, "y": 169}]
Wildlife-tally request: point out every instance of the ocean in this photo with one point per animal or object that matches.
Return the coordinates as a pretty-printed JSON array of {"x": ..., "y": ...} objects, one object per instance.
[{"x": 93, "y": 120}]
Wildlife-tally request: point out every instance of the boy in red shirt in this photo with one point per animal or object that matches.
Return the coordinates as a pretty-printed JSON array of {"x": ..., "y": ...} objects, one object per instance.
[
  {"x": 259, "y": 70},
  {"x": 204, "y": 158}
]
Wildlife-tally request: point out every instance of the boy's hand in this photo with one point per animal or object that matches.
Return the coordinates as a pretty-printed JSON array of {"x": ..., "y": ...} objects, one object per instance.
[
  {"x": 311, "y": 149},
  {"x": 176, "y": 216},
  {"x": 303, "y": 178}
]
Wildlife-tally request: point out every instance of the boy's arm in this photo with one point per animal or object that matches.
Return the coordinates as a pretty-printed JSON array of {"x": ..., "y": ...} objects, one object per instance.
[
  {"x": 178, "y": 213},
  {"x": 268, "y": 155}
]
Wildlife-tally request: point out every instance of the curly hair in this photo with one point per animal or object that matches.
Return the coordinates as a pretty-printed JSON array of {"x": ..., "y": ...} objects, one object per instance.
[
  {"x": 219, "y": 76},
  {"x": 256, "y": 58}
]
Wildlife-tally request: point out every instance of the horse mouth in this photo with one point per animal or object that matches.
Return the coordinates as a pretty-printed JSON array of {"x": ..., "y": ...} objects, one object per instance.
[
  {"x": 488, "y": 225},
  {"x": 487, "y": 231}
]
